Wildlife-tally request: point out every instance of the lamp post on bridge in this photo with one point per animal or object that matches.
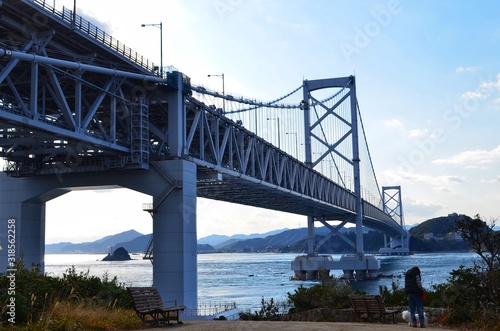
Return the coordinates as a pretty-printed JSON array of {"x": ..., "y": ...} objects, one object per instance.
[
  {"x": 74, "y": 10},
  {"x": 329, "y": 164},
  {"x": 296, "y": 144},
  {"x": 277, "y": 119},
  {"x": 159, "y": 26},
  {"x": 223, "y": 90}
]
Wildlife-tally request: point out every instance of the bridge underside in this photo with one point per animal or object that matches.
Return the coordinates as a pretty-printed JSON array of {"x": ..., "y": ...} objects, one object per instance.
[
  {"x": 214, "y": 185},
  {"x": 241, "y": 191}
]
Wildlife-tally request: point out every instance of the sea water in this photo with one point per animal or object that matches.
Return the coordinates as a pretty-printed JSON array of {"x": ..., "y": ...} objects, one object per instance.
[{"x": 246, "y": 278}]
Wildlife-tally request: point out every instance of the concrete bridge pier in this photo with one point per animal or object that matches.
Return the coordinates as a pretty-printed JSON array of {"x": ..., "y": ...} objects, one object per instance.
[
  {"x": 22, "y": 221},
  {"x": 396, "y": 245},
  {"x": 173, "y": 187},
  {"x": 22, "y": 231},
  {"x": 174, "y": 236}
]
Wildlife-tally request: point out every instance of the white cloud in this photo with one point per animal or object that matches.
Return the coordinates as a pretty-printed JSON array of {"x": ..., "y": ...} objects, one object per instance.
[
  {"x": 474, "y": 157},
  {"x": 394, "y": 123},
  {"x": 420, "y": 210},
  {"x": 436, "y": 182},
  {"x": 455, "y": 179},
  {"x": 417, "y": 133},
  {"x": 470, "y": 95},
  {"x": 466, "y": 69},
  {"x": 483, "y": 91},
  {"x": 495, "y": 180}
]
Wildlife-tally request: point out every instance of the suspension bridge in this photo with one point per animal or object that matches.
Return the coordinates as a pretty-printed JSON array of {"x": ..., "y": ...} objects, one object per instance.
[{"x": 81, "y": 110}]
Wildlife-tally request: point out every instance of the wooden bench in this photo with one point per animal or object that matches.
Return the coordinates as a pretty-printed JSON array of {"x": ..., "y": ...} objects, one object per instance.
[
  {"x": 371, "y": 306},
  {"x": 150, "y": 308}
]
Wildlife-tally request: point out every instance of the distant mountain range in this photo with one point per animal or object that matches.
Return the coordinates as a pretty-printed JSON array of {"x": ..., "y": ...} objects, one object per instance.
[
  {"x": 284, "y": 240},
  {"x": 221, "y": 240},
  {"x": 103, "y": 245},
  {"x": 135, "y": 242}
]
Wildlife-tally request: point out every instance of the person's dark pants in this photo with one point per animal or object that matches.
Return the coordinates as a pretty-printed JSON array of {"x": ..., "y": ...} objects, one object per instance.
[{"x": 415, "y": 302}]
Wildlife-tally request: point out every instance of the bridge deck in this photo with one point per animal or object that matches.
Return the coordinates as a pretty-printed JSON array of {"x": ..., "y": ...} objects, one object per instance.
[{"x": 71, "y": 37}]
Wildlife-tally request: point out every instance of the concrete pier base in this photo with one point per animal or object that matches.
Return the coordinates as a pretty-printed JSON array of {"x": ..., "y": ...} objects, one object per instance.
[
  {"x": 174, "y": 238},
  {"x": 314, "y": 267},
  {"x": 398, "y": 245}
]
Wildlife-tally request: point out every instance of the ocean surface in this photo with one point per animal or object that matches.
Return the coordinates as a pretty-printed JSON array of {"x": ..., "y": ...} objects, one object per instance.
[{"x": 245, "y": 278}]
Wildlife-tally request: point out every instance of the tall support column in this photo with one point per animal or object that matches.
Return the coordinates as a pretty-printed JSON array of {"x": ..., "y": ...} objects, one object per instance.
[
  {"x": 22, "y": 220},
  {"x": 34, "y": 90},
  {"x": 32, "y": 234},
  {"x": 22, "y": 234},
  {"x": 174, "y": 237},
  {"x": 176, "y": 116},
  {"x": 311, "y": 238},
  {"x": 307, "y": 124},
  {"x": 356, "y": 170}
]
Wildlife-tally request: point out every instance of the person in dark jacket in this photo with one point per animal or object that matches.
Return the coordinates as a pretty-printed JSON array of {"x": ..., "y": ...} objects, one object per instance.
[{"x": 414, "y": 292}]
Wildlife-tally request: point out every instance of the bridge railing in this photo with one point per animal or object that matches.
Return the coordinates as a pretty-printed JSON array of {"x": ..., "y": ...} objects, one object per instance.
[{"x": 95, "y": 33}]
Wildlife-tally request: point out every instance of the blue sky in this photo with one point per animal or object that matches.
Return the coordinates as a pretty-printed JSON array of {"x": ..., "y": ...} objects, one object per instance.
[{"x": 428, "y": 86}]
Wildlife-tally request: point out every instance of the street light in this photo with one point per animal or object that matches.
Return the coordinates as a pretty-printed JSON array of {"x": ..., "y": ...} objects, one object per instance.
[
  {"x": 159, "y": 26},
  {"x": 74, "y": 11},
  {"x": 277, "y": 119},
  {"x": 223, "y": 92},
  {"x": 296, "y": 143}
]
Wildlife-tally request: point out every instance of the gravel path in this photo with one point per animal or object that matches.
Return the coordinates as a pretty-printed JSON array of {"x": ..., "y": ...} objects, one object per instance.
[{"x": 288, "y": 326}]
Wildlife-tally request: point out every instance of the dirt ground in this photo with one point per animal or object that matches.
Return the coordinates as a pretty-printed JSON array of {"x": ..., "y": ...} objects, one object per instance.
[{"x": 287, "y": 326}]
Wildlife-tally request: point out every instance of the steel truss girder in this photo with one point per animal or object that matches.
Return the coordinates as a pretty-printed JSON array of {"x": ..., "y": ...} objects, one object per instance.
[
  {"x": 95, "y": 124},
  {"x": 217, "y": 142}
]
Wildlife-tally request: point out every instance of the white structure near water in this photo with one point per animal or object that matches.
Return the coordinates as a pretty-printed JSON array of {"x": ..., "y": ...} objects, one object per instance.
[{"x": 310, "y": 267}]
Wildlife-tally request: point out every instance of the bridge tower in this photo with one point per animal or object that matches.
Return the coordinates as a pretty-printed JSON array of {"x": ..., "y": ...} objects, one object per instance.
[
  {"x": 393, "y": 205},
  {"x": 361, "y": 264}
]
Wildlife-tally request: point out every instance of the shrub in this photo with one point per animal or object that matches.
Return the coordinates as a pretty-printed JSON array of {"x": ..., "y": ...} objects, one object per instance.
[
  {"x": 332, "y": 293},
  {"x": 396, "y": 296},
  {"x": 269, "y": 310},
  {"x": 474, "y": 293},
  {"x": 37, "y": 296},
  {"x": 84, "y": 316},
  {"x": 33, "y": 291}
]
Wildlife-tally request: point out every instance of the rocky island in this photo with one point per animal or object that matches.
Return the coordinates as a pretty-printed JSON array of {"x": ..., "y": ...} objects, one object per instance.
[{"x": 120, "y": 254}]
